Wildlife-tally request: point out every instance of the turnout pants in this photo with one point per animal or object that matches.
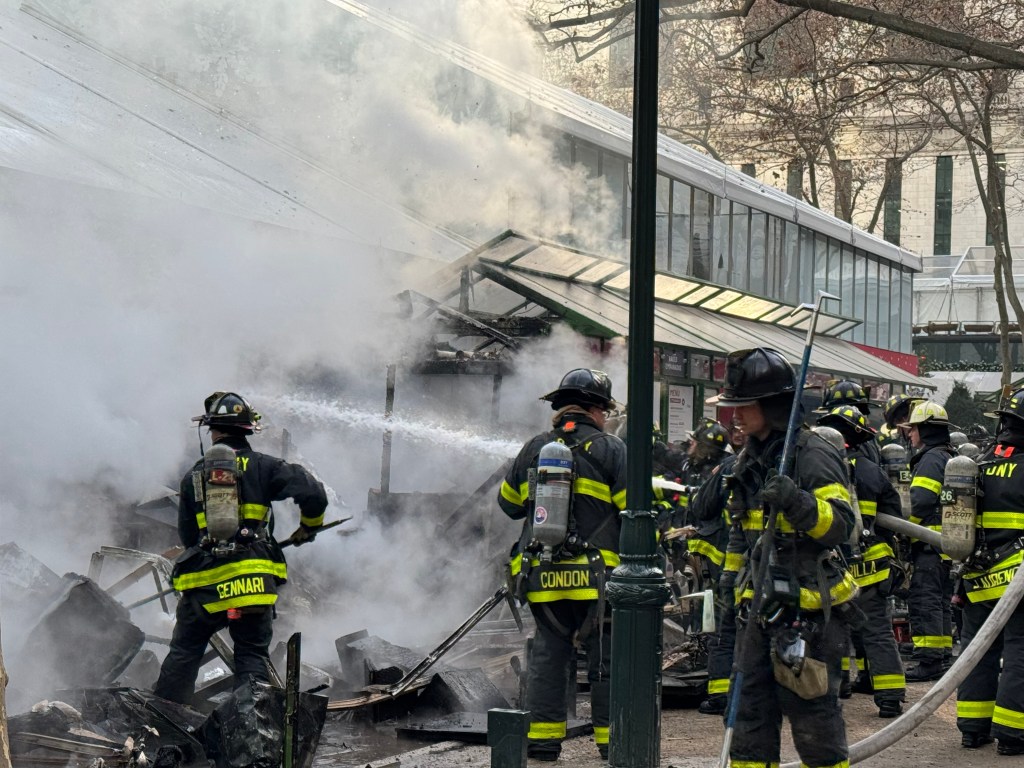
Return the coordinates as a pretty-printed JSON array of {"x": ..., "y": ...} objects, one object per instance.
[
  {"x": 722, "y": 646},
  {"x": 549, "y": 672},
  {"x": 875, "y": 645},
  {"x": 987, "y": 699},
  {"x": 819, "y": 732},
  {"x": 194, "y": 626},
  {"x": 931, "y": 618}
]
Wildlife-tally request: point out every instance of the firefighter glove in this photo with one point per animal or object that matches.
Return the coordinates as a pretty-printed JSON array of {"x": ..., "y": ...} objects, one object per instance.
[
  {"x": 780, "y": 493},
  {"x": 302, "y": 535}
]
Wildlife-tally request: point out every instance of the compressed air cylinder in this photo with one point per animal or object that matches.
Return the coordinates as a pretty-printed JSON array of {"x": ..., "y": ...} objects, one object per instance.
[
  {"x": 894, "y": 462},
  {"x": 220, "y": 474},
  {"x": 959, "y": 507},
  {"x": 553, "y": 497}
]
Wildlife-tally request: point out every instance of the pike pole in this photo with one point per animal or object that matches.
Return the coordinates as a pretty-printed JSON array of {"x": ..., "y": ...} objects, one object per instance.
[{"x": 768, "y": 537}]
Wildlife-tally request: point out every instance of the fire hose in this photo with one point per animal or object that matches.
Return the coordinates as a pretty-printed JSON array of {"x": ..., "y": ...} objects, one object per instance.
[{"x": 948, "y": 683}]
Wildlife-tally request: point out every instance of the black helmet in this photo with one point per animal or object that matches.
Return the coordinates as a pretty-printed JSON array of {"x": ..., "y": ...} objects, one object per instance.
[
  {"x": 582, "y": 386},
  {"x": 851, "y": 422},
  {"x": 229, "y": 412},
  {"x": 898, "y": 407},
  {"x": 844, "y": 393},
  {"x": 976, "y": 433},
  {"x": 1013, "y": 405},
  {"x": 755, "y": 374},
  {"x": 712, "y": 434}
]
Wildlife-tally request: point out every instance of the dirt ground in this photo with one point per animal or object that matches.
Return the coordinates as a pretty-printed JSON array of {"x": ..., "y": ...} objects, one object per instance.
[{"x": 692, "y": 740}]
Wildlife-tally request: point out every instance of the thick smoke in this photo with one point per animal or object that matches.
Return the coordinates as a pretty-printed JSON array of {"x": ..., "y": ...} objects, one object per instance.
[{"x": 121, "y": 312}]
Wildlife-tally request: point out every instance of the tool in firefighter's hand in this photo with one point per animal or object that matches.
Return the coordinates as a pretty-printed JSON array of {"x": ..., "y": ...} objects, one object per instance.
[
  {"x": 781, "y": 493},
  {"x": 686, "y": 532},
  {"x": 762, "y": 574},
  {"x": 310, "y": 533},
  {"x": 668, "y": 485},
  {"x": 446, "y": 645}
]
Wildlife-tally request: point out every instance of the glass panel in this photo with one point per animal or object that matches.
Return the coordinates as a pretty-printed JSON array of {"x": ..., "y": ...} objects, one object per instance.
[
  {"x": 740, "y": 237},
  {"x": 884, "y": 303},
  {"x": 555, "y": 261},
  {"x": 806, "y": 287},
  {"x": 661, "y": 224},
  {"x": 835, "y": 267},
  {"x": 721, "y": 300},
  {"x": 906, "y": 310},
  {"x": 720, "y": 254},
  {"x": 789, "y": 292},
  {"x": 859, "y": 294},
  {"x": 758, "y": 249},
  {"x": 670, "y": 288},
  {"x": 614, "y": 169},
  {"x": 820, "y": 265},
  {"x": 871, "y": 311},
  {"x": 750, "y": 307},
  {"x": 847, "y": 285},
  {"x": 700, "y": 251},
  {"x": 774, "y": 250},
  {"x": 680, "y": 236}
]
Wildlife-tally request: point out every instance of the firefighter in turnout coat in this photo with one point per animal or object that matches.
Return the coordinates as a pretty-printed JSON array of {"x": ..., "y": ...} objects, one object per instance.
[
  {"x": 566, "y": 595},
  {"x": 878, "y": 657},
  {"x": 233, "y": 583},
  {"x": 990, "y": 702},
  {"x": 931, "y": 618},
  {"x": 791, "y": 651}
]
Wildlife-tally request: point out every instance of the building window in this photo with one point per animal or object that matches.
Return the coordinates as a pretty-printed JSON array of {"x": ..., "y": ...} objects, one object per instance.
[
  {"x": 749, "y": 169},
  {"x": 844, "y": 190},
  {"x": 999, "y": 188},
  {"x": 943, "y": 206},
  {"x": 795, "y": 179},
  {"x": 700, "y": 242},
  {"x": 680, "y": 235},
  {"x": 893, "y": 201}
]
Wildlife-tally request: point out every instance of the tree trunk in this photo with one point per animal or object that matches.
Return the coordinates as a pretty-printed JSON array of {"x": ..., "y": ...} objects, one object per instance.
[{"x": 5, "y": 751}]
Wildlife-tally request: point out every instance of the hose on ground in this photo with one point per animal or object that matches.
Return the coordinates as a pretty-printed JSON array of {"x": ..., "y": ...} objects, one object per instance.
[{"x": 948, "y": 683}]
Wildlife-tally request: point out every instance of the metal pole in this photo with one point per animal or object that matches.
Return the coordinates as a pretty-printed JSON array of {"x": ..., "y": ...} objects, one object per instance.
[
  {"x": 637, "y": 589},
  {"x": 291, "y": 700}
]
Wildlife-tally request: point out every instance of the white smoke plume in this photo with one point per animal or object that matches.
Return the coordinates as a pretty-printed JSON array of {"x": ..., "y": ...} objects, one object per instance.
[{"x": 120, "y": 312}]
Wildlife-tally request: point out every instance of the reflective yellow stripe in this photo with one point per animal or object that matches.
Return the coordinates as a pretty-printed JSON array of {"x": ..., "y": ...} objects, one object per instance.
[
  {"x": 978, "y": 710},
  {"x": 596, "y": 489},
  {"x": 932, "y": 641},
  {"x": 720, "y": 685},
  {"x": 253, "y": 511},
  {"x": 840, "y": 764},
  {"x": 824, "y": 522},
  {"x": 877, "y": 552},
  {"x": 753, "y": 520},
  {"x": 734, "y": 561},
  {"x": 601, "y": 734},
  {"x": 619, "y": 499},
  {"x": 1013, "y": 520},
  {"x": 516, "y": 565},
  {"x": 550, "y": 595},
  {"x": 753, "y": 764},
  {"x": 611, "y": 560},
  {"x": 872, "y": 578},
  {"x": 810, "y": 599},
  {"x": 540, "y": 731},
  {"x": 888, "y": 682},
  {"x": 844, "y": 664},
  {"x": 868, "y": 507},
  {"x": 708, "y": 550},
  {"x": 312, "y": 522},
  {"x": 833, "y": 491},
  {"x": 240, "y": 602},
  {"x": 509, "y": 494},
  {"x": 927, "y": 483},
  {"x": 1008, "y": 717},
  {"x": 229, "y": 571},
  {"x": 201, "y": 519}
]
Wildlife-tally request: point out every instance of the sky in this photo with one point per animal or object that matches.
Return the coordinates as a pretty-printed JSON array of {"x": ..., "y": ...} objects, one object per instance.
[{"x": 120, "y": 312}]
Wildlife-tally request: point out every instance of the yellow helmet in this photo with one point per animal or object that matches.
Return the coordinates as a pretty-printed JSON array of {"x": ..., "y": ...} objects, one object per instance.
[{"x": 928, "y": 412}]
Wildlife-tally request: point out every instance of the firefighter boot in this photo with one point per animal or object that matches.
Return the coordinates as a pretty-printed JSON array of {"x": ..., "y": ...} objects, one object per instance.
[
  {"x": 925, "y": 671},
  {"x": 1009, "y": 747},
  {"x": 890, "y": 709},
  {"x": 714, "y": 704},
  {"x": 973, "y": 740}
]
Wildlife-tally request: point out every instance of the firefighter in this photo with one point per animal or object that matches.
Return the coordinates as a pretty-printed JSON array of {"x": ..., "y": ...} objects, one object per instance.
[
  {"x": 878, "y": 657},
  {"x": 233, "y": 583},
  {"x": 708, "y": 511},
  {"x": 897, "y": 409},
  {"x": 931, "y": 626},
  {"x": 851, "y": 393},
  {"x": 990, "y": 701},
  {"x": 791, "y": 650},
  {"x": 567, "y": 594}
]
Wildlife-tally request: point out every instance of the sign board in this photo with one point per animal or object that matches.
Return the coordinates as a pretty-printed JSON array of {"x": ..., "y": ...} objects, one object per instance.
[{"x": 680, "y": 411}]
